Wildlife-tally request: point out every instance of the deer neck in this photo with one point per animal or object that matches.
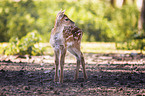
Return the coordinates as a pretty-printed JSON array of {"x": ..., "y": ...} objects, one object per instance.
[{"x": 58, "y": 29}]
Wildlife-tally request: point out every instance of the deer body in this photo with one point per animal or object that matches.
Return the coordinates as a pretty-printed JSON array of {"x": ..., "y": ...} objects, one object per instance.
[{"x": 66, "y": 36}]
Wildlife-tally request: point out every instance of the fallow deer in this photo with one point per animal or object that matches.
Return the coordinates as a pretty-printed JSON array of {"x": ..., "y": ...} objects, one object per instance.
[{"x": 66, "y": 36}]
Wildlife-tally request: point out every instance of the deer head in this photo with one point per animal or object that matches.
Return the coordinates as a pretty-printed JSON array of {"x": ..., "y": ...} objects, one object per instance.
[{"x": 63, "y": 20}]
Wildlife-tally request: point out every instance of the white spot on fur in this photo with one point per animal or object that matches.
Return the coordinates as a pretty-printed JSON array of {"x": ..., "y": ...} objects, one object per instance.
[{"x": 69, "y": 43}]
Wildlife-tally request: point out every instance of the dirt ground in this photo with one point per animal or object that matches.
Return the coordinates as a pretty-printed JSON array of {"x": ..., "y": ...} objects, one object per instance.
[{"x": 108, "y": 75}]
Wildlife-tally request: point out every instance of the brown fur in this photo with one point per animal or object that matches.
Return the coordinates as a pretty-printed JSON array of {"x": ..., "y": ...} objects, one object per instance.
[
  {"x": 72, "y": 32},
  {"x": 66, "y": 36}
]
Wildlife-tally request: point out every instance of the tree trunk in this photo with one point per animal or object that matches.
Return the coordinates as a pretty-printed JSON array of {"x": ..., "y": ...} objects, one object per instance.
[
  {"x": 141, "y": 24},
  {"x": 124, "y": 2},
  {"x": 143, "y": 15},
  {"x": 113, "y": 3}
]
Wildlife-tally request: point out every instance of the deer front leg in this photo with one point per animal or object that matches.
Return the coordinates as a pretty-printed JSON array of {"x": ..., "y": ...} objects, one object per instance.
[
  {"x": 62, "y": 59},
  {"x": 56, "y": 52}
]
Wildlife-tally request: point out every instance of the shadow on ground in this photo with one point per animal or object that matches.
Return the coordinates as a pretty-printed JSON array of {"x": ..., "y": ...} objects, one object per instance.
[{"x": 106, "y": 76}]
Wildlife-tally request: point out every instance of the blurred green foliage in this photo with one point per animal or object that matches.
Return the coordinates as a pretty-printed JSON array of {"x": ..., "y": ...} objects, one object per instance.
[
  {"x": 97, "y": 18},
  {"x": 26, "y": 45},
  {"x": 17, "y": 18}
]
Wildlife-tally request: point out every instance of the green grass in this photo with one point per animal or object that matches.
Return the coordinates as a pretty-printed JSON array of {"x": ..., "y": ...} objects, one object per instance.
[
  {"x": 97, "y": 47},
  {"x": 86, "y": 47},
  {"x": 103, "y": 47}
]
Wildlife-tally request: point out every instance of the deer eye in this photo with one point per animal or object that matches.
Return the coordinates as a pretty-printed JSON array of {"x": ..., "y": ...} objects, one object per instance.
[{"x": 66, "y": 19}]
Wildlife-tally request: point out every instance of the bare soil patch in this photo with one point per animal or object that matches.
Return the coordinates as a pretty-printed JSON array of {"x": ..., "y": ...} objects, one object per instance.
[{"x": 108, "y": 74}]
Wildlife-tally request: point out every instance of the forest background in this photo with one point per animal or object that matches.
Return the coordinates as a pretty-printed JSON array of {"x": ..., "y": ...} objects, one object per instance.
[{"x": 24, "y": 23}]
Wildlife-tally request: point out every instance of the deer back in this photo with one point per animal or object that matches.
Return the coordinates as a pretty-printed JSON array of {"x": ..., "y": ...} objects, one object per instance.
[{"x": 72, "y": 35}]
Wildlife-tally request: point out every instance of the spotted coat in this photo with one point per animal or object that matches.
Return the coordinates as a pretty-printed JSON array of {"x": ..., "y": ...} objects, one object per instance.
[{"x": 72, "y": 33}]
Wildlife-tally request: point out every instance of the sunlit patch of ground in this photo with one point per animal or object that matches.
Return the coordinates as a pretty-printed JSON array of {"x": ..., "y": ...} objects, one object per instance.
[{"x": 108, "y": 74}]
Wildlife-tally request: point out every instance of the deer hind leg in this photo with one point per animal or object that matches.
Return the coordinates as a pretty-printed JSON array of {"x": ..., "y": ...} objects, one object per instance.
[
  {"x": 56, "y": 52},
  {"x": 83, "y": 65},
  {"x": 62, "y": 59},
  {"x": 80, "y": 60}
]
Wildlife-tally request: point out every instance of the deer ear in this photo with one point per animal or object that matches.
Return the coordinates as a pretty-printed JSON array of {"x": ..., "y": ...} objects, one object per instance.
[
  {"x": 63, "y": 11},
  {"x": 59, "y": 12}
]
